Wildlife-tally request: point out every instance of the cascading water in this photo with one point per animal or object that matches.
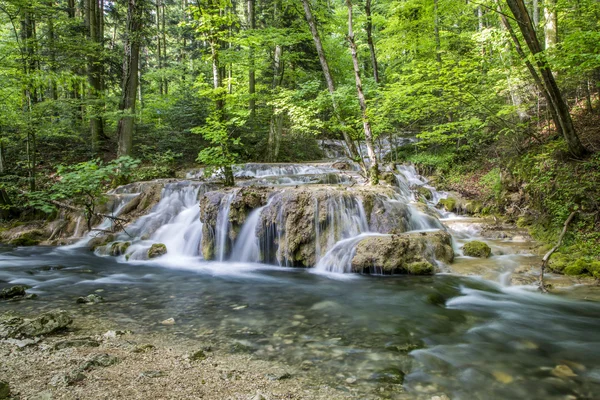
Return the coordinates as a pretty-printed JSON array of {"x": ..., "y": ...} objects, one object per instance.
[
  {"x": 246, "y": 248},
  {"x": 222, "y": 228}
]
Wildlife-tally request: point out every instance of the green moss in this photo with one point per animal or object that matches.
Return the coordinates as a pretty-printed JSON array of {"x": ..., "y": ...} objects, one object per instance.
[
  {"x": 578, "y": 267},
  {"x": 449, "y": 204},
  {"x": 558, "y": 262},
  {"x": 420, "y": 268},
  {"x": 477, "y": 249},
  {"x": 119, "y": 248},
  {"x": 157, "y": 250},
  {"x": 426, "y": 193}
]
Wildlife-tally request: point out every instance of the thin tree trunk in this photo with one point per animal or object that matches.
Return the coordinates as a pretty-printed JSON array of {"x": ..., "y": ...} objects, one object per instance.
[
  {"x": 536, "y": 13},
  {"x": 159, "y": 48},
  {"x": 547, "y": 256},
  {"x": 374, "y": 168},
  {"x": 436, "y": 32},
  {"x": 369, "y": 29},
  {"x": 276, "y": 122},
  {"x": 530, "y": 68},
  {"x": 251, "y": 72},
  {"x": 352, "y": 152},
  {"x": 551, "y": 24},
  {"x": 93, "y": 16},
  {"x": 566, "y": 123},
  {"x": 130, "y": 77},
  {"x": 164, "y": 43}
]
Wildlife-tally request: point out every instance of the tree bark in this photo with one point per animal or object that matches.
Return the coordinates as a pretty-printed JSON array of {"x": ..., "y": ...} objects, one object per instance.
[
  {"x": 276, "y": 122},
  {"x": 547, "y": 256},
  {"x": 551, "y": 24},
  {"x": 94, "y": 15},
  {"x": 436, "y": 32},
  {"x": 562, "y": 110},
  {"x": 352, "y": 152},
  {"x": 130, "y": 77},
  {"x": 251, "y": 72},
  {"x": 374, "y": 167},
  {"x": 530, "y": 68},
  {"x": 369, "y": 29}
]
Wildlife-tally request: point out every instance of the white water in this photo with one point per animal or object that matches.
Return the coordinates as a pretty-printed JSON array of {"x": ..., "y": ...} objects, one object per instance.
[
  {"x": 246, "y": 248},
  {"x": 223, "y": 227},
  {"x": 339, "y": 258}
]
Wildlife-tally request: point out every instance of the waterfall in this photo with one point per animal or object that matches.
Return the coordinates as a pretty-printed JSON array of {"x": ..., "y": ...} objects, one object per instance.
[
  {"x": 246, "y": 248},
  {"x": 222, "y": 228},
  {"x": 339, "y": 258}
]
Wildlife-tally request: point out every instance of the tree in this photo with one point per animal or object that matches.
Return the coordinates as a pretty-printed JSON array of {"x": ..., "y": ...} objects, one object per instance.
[
  {"x": 566, "y": 127},
  {"x": 133, "y": 41}
]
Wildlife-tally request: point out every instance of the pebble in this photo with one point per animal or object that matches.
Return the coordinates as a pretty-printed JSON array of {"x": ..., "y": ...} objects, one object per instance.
[
  {"x": 168, "y": 321},
  {"x": 563, "y": 371},
  {"x": 351, "y": 380}
]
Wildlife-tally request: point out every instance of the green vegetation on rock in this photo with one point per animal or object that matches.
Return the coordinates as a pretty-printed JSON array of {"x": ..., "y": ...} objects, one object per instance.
[
  {"x": 157, "y": 250},
  {"x": 477, "y": 249}
]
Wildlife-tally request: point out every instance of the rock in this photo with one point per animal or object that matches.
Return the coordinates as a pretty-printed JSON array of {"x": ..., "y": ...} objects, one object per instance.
[
  {"x": 143, "y": 348},
  {"x": 13, "y": 291},
  {"x": 425, "y": 192},
  {"x": 440, "y": 397},
  {"x": 77, "y": 342},
  {"x": 157, "y": 250},
  {"x": 198, "y": 356},
  {"x": 119, "y": 248},
  {"x": 152, "y": 374},
  {"x": 477, "y": 249},
  {"x": 449, "y": 203},
  {"x": 100, "y": 241},
  {"x": 563, "y": 371},
  {"x": 351, "y": 380},
  {"x": 502, "y": 377},
  {"x": 45, "y": 324},
  {"x": 31, "y": 237},
  {"x": 280, "y": 376},
  {"x": 90, "y": 299},
  {"x": 67, "y": 379},
  {"x": 389, "y": 375},
  {"x": 168, "y": 321},
  {"x": 100, "y": 360},
  {"x": 45, "y": 395},
  {"x": 4, "y": 390},
  {"x": 259, "y": 396},
  {"x": 412, "y": 253}
]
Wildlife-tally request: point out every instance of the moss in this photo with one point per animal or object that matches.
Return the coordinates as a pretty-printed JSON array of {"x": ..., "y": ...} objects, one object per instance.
[
  {"x": 449, "y": 203},
  {"x": 119, "y": 248},
  {"x": 477, "y": 249},
  {"x": 157, "y": 250},
  {"x": 559, "y": 262},
  {"x": 578, "y": 267},
  {"x": 420, "y": 268},
  {"x": 426, "y": 193},
  {"x": 28, "y": 238}
]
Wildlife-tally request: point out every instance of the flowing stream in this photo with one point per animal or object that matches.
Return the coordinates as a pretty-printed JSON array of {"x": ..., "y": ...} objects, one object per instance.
[{"x": 469, "y": 337}]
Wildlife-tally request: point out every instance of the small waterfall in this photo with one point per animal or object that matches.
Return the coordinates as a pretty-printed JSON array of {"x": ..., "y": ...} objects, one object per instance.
[
  {"x": 253, "y": 170},
  {"x": 222, "y": 228},
  {"x": 246, "y": 248},
  {"x": 174, "y": 222},
  {"x": 339, "y": 258}
]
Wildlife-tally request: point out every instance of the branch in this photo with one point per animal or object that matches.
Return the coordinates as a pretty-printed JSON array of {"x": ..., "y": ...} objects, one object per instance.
[{"x": 546, "y": 258}]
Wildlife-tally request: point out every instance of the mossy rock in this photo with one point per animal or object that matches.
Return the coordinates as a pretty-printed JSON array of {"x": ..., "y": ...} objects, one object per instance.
[
  {"x": 4, "y": 390},
  {"x": 157, "y": 250},
  {"x": 100, "y": 241},
  {"x": 119, "y": 248},
  {"x": 426, "y": 193},
  {"x": 14, "y": 291},
  {"x": 583, "y": 266},
  {"x": 420, "y": 268},
  {"x": 477, "y": 249},
  {"x": 388, "y": 178},
  {"x": 473, "y": 207},
  {"x": 28, "y": 238},
  {"x": 449, "y": 203},
  {"x": 559, "y": 262}
]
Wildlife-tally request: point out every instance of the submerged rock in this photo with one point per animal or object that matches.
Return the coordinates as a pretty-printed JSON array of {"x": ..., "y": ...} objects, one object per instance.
[
  {"x": 477, "y": 249},
  {"x": 90, "y": 299},
  {"x": 4, "y": 390},
  {"x": 157, "y": 250},
  {"x": 45, "y": 324},
  {"x": 413, "y": 253},
  {"x": 13, "y": 291},
  {"x": 100, "y": 241}
]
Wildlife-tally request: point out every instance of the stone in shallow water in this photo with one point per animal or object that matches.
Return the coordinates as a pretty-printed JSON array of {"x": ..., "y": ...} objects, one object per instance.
[
  {"x": 90, "y": 299},
  {"x": 157, "y": 250},
  {"x": 477, "y": 249},
  {"x": 168, "y": 321},
  {"x": 563, "y": 371},
  {"x": 14, "y": 291},
  {"x": 45, "y": 324},
  {"x": 4, "y": 390}
]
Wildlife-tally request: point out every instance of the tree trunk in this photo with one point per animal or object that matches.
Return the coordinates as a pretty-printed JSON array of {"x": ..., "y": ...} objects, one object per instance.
[
  {"x": 536, "y": 14},
  {"x": 276, "y": 122},
  {"x": 251, "y": 72},
  {"x": 29, "y": 93},
  {"x": 551, "y": 22},
  {"x": 130, "y": 77},
  {"x": 159, "y": 48},
  {"x": 374, "y": 168},
  {"x": 352, "y": 152},
  {"x": 369, "y": 29},
  {"x": 530, "y": 68},
  {"x": 94, "y": 15},
  {"x": 436, "y": 32},
  {"x": 562, "y": 110}
]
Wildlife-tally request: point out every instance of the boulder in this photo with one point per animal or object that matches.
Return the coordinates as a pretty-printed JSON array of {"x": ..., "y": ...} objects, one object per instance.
[
  {"x": 90, "y": 299},
  {"x": 44, "y": 324},
  {"x": 412, "y": 253},
  {"x": 157, "y": 250},
  {"x": 13, "y": 291},
  {"x": 477, "y": 249},
  {"x": 119, "y": 248},
  {"x": 100, "y": 241},
  {"x": 31, "y": 237},
  {"x": 4, "y": 390}
]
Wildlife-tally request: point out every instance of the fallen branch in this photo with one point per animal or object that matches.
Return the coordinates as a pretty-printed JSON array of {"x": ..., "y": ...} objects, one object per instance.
[{"x": 546, "y": 258}]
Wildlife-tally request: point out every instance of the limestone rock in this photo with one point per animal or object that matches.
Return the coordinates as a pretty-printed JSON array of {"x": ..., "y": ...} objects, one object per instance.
[
  {"x": 119, "y": 248},
  {"x": 13, "y": 291},
  {"x": 45, "y": 324},
  {"x": 4, "y": 390},
  {"x": 157, "y": 250},
  {"x": 477, "y": 249},
  {"x": 90, "y": 299},
  {"x": 413, "y": 253}
]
